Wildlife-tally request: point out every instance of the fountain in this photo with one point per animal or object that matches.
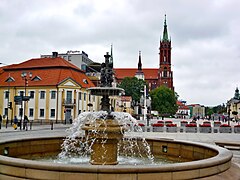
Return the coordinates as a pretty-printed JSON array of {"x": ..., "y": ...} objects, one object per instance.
[
  {"x": 107, "y": 130},
  {"x": 101, "y": 135},
  {"x": 104, "y": 129}
]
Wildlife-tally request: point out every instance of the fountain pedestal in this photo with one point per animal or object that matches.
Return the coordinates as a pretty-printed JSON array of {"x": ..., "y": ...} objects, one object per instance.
[{"x": 106, "y": 134}]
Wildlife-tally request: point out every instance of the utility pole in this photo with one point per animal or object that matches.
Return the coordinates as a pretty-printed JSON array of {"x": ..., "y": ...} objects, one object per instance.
[{"x": 145, "y": 106}]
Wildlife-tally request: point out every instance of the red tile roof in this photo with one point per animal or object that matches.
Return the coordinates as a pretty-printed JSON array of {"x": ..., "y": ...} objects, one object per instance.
[
  {"x": 149, "y": 73},
  {"x": 52, "y": 71},
  {"x": 193, "y": 105},
  {"x": 182, "y": 106}
]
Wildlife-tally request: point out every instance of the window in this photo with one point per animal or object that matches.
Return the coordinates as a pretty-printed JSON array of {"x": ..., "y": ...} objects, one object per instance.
[
  {"x": 6, "y": 111},
  {"x": 42, "y": 94},
  {"x": 32, "y": 94},
  {"x": 80, "y": 95},
  {"x": 53, "y": 94},
  {"x": 31, "y": 112},
  {"x": 7, "y": 95},
  {"x": 20, "y": 112},
  {"x": 83, "y": 67},
  {"x": 10, "y": 79},
  {"x": 36, "y": 78},
  {"x": 84, "y": 96},
  {"x": 52, "y": 113},
  {"x": 41, "y": 112},
  {"x": 85, "y": 81},
  {"x": 89, "y": 97},
  {"x": 69, "y": 96},
  {"x": 21, "y": 93},
  {"x": 165, "y": 72}
]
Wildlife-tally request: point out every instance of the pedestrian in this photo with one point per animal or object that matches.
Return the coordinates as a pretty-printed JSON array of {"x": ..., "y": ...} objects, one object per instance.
[
  {"x": 6, "y": 121},
  {"x": 0, "y": 121},
  {"x": 25, "y": 121},
  {"x": 15, "y": 122}
]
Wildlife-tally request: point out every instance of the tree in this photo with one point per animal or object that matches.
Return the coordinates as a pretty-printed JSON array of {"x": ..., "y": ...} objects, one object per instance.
[
  {"x": 209, "y": 111},
  {"x": 219, "y": 109},
  {"x": 164, "y": 100},
  {"x": 133, "y": 87}
]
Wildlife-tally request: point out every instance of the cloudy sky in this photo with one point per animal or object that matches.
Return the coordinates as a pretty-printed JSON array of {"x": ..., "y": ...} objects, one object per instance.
[{"x": 205, "y": 37}]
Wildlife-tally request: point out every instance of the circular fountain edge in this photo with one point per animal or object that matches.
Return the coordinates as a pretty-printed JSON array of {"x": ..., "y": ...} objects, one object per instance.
[{"x": 193, "y": 169}]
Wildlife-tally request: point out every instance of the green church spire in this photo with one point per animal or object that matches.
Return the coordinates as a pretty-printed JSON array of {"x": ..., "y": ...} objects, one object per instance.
[{"x": 165, "y": 33}]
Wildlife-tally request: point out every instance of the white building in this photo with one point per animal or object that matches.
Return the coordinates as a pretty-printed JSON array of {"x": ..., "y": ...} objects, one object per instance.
[{"x": 79, "y": 59}]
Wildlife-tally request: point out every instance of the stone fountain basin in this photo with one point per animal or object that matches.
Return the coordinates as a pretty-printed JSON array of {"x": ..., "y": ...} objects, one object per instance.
[
  {"x": 110, "y": 91},
  {"x": 204, "y": 160}
]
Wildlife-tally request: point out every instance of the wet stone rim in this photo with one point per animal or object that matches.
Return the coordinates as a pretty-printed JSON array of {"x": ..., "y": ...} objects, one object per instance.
[{"x": 221, "y": 162}]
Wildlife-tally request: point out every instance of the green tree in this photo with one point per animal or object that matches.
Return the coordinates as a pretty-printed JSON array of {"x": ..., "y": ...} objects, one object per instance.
[
  {"x": 133, "y": 87},
  {"x": 220, "y": 109},
  {"x": 164, "y": 100}
]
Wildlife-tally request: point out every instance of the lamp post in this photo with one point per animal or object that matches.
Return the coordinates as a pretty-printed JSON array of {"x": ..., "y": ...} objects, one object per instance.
[
  {"x": 8, "y": 94},
  {"x": 25, "y": 76},
  {"x": 145, "y": 105},
  {"x": 8, "y": 104},
  {"x": 229, "y": 110}
]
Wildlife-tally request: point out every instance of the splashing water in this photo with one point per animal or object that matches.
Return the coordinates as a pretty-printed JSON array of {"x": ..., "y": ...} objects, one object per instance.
[{"x": 78, "y": 144}]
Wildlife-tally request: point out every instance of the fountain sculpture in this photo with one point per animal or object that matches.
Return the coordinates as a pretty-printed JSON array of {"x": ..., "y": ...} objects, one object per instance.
[
  {"x": 104, "y": 129},
  {"x": 107, "y": 130}
]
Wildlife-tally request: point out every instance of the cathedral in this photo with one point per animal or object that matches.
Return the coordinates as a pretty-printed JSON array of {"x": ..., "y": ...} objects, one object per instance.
[{"x": 154, "y": 77}]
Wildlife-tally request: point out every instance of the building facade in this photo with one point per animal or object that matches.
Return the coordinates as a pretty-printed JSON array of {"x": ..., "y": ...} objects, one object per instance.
[
  {"x": 197, "y": 111},
  {"x": 233, "y": 106},
  {"x": 79, "y": 59},
  {"x": 45, "y": 89},
  {"x": 183, "y": 111}
]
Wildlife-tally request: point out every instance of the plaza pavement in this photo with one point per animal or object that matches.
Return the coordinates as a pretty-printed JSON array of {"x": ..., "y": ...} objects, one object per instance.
[{"x": 60, "y": 130}]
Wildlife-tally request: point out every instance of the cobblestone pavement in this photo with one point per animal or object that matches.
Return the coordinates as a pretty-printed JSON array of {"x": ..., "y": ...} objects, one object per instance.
[{"x": 60, "y": 130}]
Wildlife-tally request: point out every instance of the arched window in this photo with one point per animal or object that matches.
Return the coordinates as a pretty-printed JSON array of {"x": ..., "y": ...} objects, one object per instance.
[{"x": 165, "y": 72}]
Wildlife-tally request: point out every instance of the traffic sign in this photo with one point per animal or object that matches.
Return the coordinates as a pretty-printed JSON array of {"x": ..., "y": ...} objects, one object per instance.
[{"x": 18, "y": 98}]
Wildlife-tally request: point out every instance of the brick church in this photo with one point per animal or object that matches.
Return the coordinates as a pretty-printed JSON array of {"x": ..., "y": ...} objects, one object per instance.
[{"x": 155, "y": 77}]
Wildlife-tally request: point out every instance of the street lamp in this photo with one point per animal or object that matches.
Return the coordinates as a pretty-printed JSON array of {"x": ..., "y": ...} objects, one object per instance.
[
  {"x": 25, "y": 76},
  {"x": 229, "y": 110}
]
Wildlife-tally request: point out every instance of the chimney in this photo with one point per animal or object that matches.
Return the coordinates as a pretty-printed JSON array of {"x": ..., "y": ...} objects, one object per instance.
[{"x": 54, "y": 54}]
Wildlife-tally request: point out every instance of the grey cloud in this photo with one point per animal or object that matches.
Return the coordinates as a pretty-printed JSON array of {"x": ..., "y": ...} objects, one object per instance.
[{"x": 204, "y": 35}]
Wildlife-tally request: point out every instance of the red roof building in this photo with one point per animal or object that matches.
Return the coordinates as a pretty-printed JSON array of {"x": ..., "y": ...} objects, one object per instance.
[
  {"x": 150, "y": 75},
  {"x": 183, "y": 111},
  {"x": 53, "y": 89},
  {"x": 50, "y": 71}
]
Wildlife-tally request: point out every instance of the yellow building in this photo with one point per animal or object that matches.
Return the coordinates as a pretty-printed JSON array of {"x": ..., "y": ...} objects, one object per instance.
[
  {"x": 233, "y": 106},
  {"x": 123, "y": 104},
  {"x": 45, "y": 89}
]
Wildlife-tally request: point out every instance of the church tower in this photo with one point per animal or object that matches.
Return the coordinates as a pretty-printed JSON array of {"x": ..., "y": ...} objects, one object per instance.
[
  {"x": 165, "y": 74},
  {"x": 139, "y": 74}
]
